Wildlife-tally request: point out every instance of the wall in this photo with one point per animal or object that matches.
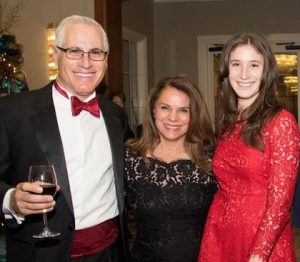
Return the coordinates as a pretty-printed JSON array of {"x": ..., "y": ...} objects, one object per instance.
[
  {"x": 31, "y": 32},
  {"x": 137, "y": 15},
  {"x": 177, "y": 25},
  {"x": 171, "y": 29}
]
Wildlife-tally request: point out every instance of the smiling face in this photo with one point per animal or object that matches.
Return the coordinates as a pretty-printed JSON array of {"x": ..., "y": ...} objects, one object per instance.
[
  {"x": 81, "y": 76},
  {"x": 172, "y": 115},
  {"x": 245, "y": 74}
]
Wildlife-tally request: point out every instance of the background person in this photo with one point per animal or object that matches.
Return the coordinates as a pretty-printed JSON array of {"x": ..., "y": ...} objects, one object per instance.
[
  {"x": 102, "y": 89},
  {"x": 119, "y": 99},
  {"x": 46, "y": 126},
  {"x": 255, "y": 161},
  {"x": 169, "y": 183}
]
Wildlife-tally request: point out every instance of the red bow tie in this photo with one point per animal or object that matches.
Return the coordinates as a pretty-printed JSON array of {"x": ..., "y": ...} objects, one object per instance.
[{"x": 91, "y": 106}]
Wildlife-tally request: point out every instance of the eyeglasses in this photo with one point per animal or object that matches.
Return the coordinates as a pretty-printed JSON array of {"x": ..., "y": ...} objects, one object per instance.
[{"x": 75, "y": 53}]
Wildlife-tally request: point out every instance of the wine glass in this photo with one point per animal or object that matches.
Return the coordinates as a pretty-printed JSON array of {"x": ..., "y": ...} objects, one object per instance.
[{"x": 45, "y": 176}]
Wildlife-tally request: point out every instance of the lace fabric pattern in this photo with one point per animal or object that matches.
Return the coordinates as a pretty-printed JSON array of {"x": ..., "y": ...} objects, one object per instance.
[
  {"x": 170, "y": 202},
  {"x": 250, "y": 214}
]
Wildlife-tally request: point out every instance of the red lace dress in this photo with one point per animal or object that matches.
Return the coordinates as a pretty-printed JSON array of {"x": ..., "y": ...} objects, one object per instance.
[{"x": 250, "y": 214}]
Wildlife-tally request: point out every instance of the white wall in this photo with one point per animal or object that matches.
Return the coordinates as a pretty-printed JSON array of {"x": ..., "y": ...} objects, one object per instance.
[
  {"x": 31, "y": 32},
  {"x": 177, "y": 25}
]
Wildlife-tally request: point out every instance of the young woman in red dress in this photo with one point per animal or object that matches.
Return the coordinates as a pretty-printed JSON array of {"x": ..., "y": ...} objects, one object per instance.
[{"x": 255, "y": 161}]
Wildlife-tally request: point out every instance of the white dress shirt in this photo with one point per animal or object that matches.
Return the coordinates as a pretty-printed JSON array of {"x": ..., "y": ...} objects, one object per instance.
[{"x": 89, "y": 163}]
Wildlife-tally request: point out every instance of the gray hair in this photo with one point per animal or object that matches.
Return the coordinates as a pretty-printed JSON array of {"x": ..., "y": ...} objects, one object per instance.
[{"x": 60, "y": 31}]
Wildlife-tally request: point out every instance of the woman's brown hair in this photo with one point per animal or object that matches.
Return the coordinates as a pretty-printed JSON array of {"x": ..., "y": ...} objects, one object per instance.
[
  {"x": 265, "y": 105},
  {"x": 200, "y": 135}
]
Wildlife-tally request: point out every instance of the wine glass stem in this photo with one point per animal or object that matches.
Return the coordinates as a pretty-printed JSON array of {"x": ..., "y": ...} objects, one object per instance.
[{"x": 45, "y": 219}]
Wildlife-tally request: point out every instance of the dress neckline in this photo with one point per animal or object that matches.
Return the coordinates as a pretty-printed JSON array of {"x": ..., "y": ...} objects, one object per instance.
[{"x": 170, "y": 162}]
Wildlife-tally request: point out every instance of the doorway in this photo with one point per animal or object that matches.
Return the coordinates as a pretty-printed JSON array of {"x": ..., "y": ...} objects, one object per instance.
[{"x": 135, "y": 76}]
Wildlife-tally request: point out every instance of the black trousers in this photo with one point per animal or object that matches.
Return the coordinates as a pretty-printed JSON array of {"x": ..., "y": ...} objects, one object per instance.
[{"x": 111, "y": 254}]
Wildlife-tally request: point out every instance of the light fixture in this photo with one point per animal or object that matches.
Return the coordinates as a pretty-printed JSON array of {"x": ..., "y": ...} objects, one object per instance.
[
  {"x": 52, "y": 68},
  {"x": 285, "y": 61},
  {"x": 291, "y": 82}
]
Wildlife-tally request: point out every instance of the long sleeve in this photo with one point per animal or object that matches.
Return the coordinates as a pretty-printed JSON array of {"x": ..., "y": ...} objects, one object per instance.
[{"x": 283, "y": 139}]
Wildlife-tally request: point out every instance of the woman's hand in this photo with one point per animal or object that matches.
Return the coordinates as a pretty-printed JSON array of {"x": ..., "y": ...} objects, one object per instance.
[{"x": 255, "y": 259}]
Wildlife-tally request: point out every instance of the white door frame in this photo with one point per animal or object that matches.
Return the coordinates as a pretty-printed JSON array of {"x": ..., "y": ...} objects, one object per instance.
[
  {"x": 205, "y": 68},
  {"x": 142, "y": 68}
]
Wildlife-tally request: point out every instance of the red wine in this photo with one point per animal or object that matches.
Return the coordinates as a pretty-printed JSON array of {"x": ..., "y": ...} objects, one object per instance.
[{"x": 48, "y": 189}]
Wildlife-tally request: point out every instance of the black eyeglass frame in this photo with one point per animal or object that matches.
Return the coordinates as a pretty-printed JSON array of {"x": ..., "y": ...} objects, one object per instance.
[{"x": 65, "y": 50}]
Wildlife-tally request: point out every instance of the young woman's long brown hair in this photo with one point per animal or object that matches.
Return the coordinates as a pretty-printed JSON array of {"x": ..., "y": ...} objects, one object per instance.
[
  {"x": 200, "y": 135},
  {"x": 266, "y": 104}
]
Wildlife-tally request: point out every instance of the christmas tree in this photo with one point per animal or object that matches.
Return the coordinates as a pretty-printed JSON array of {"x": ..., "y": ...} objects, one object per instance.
[{"x": 12, "y": 78}]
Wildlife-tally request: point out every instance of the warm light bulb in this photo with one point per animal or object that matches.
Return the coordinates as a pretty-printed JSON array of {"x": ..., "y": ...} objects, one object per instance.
[{"x": 52, "y": 68}]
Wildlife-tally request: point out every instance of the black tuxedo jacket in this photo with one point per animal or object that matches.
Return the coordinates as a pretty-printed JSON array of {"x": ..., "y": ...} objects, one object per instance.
[{"x": 29, "y": 135}]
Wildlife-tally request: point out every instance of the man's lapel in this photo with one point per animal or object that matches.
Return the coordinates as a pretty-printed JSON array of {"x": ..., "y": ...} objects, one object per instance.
[
  {"x": 46, "y": 128},
  {"x": 115, "y": 134}
]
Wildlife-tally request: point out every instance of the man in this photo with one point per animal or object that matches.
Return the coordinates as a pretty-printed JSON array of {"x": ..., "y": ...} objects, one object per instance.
[
  {"x": 86, "y": 150},
  {"x": 119, "y": 99}
]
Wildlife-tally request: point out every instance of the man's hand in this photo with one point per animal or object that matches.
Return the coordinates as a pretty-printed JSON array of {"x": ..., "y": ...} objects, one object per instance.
[{"x": 26, "y": 199}]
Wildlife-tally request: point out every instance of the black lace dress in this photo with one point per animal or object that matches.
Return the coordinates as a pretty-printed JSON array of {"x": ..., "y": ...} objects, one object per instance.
[{"x": 170, "y": 202}]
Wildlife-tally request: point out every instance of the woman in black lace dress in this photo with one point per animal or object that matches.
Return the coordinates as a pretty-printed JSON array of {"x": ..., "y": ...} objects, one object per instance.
[{"x": 169, "y": 183}]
